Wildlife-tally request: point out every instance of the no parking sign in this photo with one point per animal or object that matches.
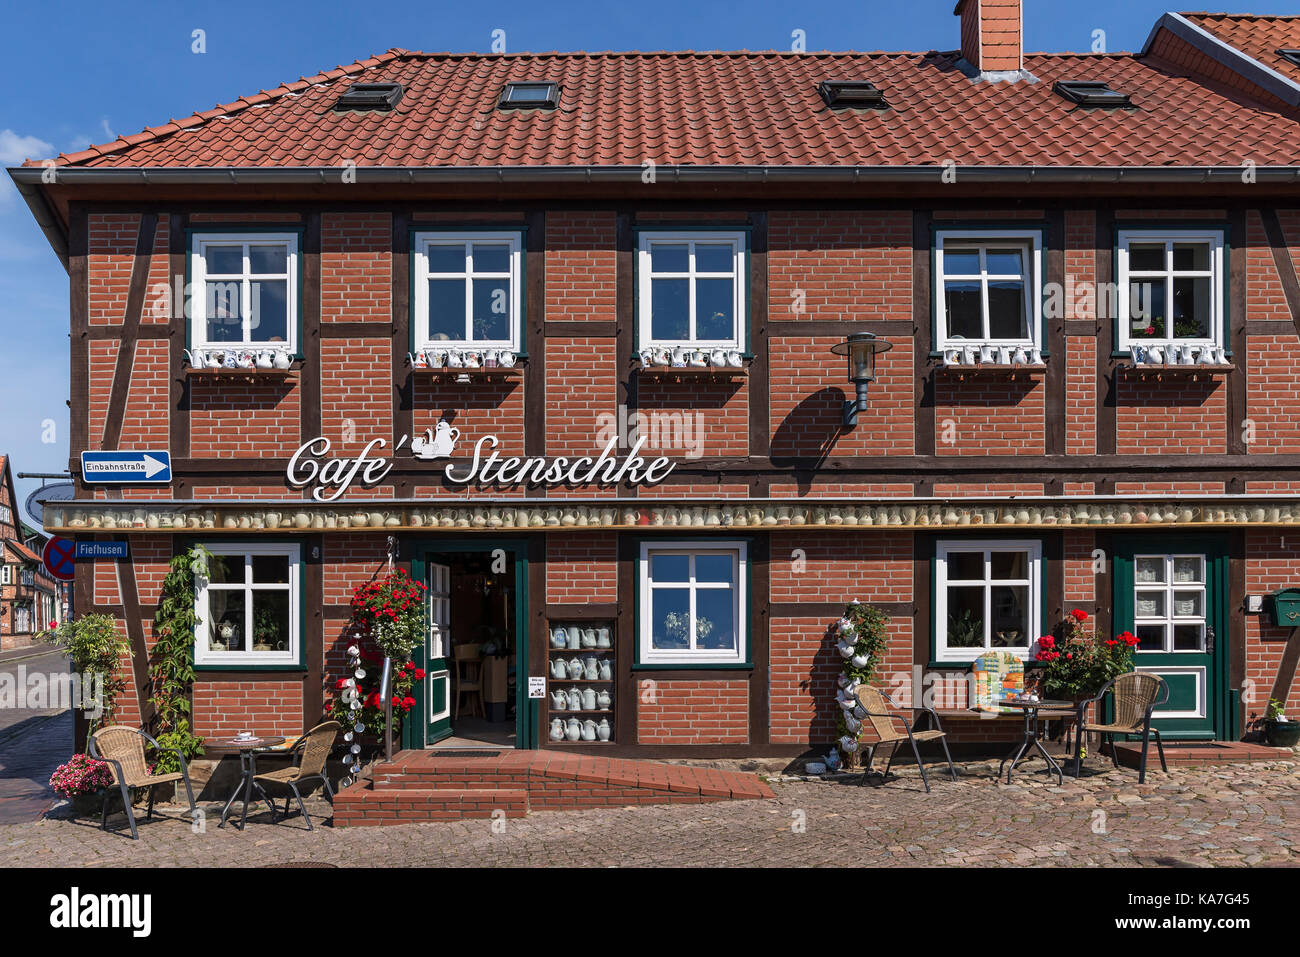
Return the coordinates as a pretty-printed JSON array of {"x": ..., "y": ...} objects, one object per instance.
[{"x": 58, "y": 556}]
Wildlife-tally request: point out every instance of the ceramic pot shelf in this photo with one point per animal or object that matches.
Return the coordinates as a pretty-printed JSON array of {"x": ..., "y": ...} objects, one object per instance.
[
  {"x": 999, "y": 368},
  {"x": 693, "y": 372},
  {"x": 1167, "y": 368},
  {"x": 483, "y": 372},
  {"x": 220, "y": 372},
  {"x": 591, "y": 643}
]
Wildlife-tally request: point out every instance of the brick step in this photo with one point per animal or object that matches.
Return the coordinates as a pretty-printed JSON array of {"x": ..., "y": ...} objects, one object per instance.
[
  {"x": 361, "y": 805},
  {"x": 451, "y": 775},
  {"x": 1199, "y": 753}
]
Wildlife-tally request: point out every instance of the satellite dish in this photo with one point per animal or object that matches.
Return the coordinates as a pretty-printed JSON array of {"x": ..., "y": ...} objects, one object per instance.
[{"x": 57, "y": 492}]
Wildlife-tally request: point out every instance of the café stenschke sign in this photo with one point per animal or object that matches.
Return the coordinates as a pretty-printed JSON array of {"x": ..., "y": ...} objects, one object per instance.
[{"x": 311, "y": 466}]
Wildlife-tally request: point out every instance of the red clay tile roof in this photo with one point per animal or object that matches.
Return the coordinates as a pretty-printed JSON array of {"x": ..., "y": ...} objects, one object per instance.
[
  {"x": 719, "y": 109},
  {"x": 1256, "y": 36},
  {"x": 23, "y": 550}
]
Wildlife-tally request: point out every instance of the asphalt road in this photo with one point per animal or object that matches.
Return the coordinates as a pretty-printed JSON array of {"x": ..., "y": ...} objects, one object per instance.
[{"x": 33, "y": 741}]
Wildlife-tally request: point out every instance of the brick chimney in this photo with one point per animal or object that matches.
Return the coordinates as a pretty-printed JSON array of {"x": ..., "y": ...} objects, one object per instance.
[{"x": 991, "y": 34}]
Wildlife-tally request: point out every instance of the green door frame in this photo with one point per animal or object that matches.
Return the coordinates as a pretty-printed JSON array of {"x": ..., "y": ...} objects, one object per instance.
[
  {"x": 413, "y": 732},
  {"x": 1218, "y": 696}
]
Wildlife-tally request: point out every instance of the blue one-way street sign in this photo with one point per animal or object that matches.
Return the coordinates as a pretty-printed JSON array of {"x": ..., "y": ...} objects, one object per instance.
[{"x": 126, "y": 466}]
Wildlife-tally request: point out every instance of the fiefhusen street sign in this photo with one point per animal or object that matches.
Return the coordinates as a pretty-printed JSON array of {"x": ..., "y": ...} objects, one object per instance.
[
  {"x": 93, "y": 551},
  {"x": 120, "y": 467}
]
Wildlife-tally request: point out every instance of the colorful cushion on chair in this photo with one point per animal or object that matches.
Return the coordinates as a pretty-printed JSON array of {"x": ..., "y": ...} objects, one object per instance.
[{"x": 997, "y": 675}]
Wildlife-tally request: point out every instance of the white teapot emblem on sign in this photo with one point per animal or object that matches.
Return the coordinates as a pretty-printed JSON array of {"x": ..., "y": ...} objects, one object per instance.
[{"x": 436, "y": 443}]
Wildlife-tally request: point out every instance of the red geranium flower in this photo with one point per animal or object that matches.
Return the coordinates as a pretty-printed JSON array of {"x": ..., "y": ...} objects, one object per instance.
[
  {"x": 1047, "y": 641},
  {"x": 1079, "y": 615}
]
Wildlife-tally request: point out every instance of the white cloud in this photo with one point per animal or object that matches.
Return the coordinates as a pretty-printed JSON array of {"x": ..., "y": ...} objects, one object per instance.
[{"x": 14, "y": 148}]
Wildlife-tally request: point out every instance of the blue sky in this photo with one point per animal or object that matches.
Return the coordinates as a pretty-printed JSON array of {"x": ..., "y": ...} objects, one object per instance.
[{"x": 89, "y": 71}]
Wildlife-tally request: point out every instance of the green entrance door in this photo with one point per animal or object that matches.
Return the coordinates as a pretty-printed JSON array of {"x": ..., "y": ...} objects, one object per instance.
[
  {"x": 1171, "y": 592},
  {"x": 437, "y": 673}
]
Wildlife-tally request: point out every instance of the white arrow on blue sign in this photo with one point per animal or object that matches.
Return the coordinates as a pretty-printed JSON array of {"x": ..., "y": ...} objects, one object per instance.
[{"x": 122, "y": 467}]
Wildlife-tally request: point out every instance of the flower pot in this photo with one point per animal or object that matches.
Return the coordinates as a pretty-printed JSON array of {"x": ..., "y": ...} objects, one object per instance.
[
  {"x": 1282, "y": 734},
  {"x": 86, "y": 805}
]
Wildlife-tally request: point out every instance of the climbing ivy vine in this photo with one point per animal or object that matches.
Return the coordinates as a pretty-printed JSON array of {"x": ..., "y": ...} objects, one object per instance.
[{"x": 171, "y": 665}]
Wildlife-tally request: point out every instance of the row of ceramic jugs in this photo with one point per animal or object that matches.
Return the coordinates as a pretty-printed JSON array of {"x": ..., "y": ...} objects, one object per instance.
[
  {"x": 231, "y": 359},
  {"x": 582, "y": 669},
  {"x": 588, "y": 699},
  {"x": 575, "y": 730},
  {"x": 575, "y": 637}
]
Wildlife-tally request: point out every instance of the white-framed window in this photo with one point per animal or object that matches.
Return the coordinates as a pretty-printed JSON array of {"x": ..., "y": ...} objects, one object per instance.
[
  {"x": 1170, "y": 287},
  {"x": 989, "y": 287},
  {"x": 6, "y": 516},
  {"x": 1169, "y": 602},
  {"x": 693, "y": 603},
  {"x": 6, "y": 575},
  {"x": 986, "y": 597},
  {"x": 468, "y": 290},
  {"x": 692, "y": 289},
  {"x": 248, "y": 605},
  {"x": 244, "y": 290},
  {"x": 23, "y": 617}
]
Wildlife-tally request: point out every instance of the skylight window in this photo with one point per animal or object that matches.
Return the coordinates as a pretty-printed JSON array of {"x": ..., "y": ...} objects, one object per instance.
[
  {"x": 535, "y": 96},
  {"x": 852, "y": 94},
  {"x": 370, "y": 96},
  {"x": 1292, "y": 55},
  {"x": 1091, "y": 93}
]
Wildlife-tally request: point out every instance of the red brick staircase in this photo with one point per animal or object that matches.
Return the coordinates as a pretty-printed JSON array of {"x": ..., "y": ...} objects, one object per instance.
[{"x": 440, "y": 786}]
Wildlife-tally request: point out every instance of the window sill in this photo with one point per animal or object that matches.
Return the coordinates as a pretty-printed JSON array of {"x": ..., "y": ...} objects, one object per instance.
[
  {"x": 232, "y": 666},
  {"x": 1166, "y": 368},
  {"x": 220, "y": 372},
  {"x": 693, "y": 372},
  {"x": 693, "y": 666},
  {"x": 466, "y": 373},
  {"x": 994, "y": 368}
]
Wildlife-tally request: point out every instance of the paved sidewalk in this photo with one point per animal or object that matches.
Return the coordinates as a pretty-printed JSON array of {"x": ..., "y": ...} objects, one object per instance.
[{"x": 1239, "y": 815}]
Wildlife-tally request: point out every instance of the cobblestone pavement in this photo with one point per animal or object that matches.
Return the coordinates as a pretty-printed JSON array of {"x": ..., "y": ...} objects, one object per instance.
[{"x": 1222, "y": 816}]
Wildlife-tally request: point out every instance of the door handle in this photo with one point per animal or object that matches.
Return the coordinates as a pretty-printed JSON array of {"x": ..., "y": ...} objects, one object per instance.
[{"x": 1209, "y": 639}]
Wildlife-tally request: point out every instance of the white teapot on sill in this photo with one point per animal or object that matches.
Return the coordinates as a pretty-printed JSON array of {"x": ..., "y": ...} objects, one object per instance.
[
  {"x": 265, "y": 360},
  {"x": 282, "y": 359}
]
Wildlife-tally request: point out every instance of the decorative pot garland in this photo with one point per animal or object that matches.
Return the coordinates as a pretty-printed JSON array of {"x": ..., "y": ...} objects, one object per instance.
[
  {"x": 352, "y": 698},
  {"x": 860, "y": 638}
]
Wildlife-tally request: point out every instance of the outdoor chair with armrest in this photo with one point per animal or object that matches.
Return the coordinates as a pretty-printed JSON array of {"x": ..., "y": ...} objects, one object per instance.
[
  {"x": 1137, "y": 695},
  {"x": 123, "y": 750},
  {"x": 310, "y": 753},
  {"x": 872, "y": 706}
]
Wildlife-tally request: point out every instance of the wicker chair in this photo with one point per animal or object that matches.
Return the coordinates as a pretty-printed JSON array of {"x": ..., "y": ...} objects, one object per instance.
[
  {"x": 872, "y": 707},
  {"x": 309, "y": 756},
  {"x": 1137, "y": 695},
  {"x": 123, "y": 749}
]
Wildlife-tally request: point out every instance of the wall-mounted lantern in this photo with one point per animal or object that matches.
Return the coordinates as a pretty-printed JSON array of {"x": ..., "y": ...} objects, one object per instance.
[{"x": 861, "y": 348}]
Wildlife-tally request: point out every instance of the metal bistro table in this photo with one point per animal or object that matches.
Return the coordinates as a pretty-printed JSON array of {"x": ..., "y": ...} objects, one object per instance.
[
  {"x": 247, "y": 748},
  {"x": 1033, "y": 717}
]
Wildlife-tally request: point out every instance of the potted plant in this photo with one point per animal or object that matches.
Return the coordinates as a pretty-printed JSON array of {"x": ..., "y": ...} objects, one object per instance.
[
  {"x": 1078, "y": 664},
  {"x": 1278, "y": 731},
  {"x": 82, "y": 781}
]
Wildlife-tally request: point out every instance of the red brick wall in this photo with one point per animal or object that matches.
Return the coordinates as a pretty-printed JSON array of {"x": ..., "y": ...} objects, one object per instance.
[
  {"x": 807, "y": 391},
  {"x": 580, "y": 262},
  {"x": 356, "y": 392},
  {"x": 988, "y": 414},
  {"x": 581, "y": 385},
  {"x": 1272, "y": 384},
  {"x": 258, "y": 704},
  {"x": 693, "y": 712},
  {"x": 839, "y": 567},
  {"x": 582, "y": 568},
  {"x": 1271, "y": 563},
  {"x": 840, "y": 265},
  {"x": 355, "y": 267},
  {"x": 250, "y": 419},
  {"x": 1173, "y": 416},
  {"x": 1080, "y": 580}
]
